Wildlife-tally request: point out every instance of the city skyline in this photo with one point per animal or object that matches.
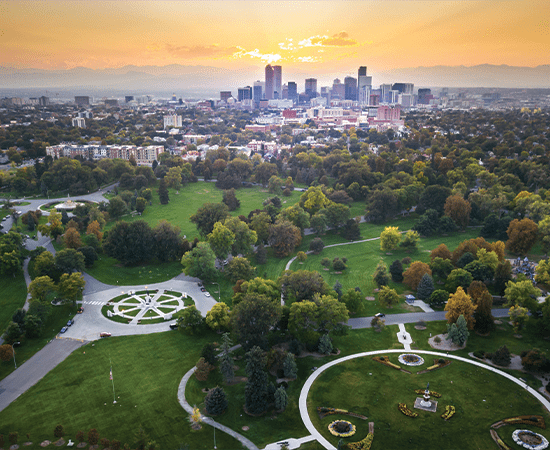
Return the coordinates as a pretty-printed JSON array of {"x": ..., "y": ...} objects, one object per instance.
[{"x": 383, "y": 35}]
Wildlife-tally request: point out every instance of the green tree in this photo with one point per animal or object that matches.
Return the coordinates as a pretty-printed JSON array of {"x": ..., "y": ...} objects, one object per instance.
[
  {"x": 380, "y": 276},
  {"x": 239, "y": 269},
  {"x": 260, "y": 224},
  {"x": 522, "y": 235},
  {"x": 71, "y": 286},
  {"x": 441, "y": 267},
  {"x": 141, "y": 203},
  {"x": 337, "y": 215},
  {"x": 396, "y": 271},
  {"x": 458, "y": 278},
  {"x": 207, "y": 215},
  {"x": 389, "y": 239},
  {"x": 32, "y": 326},
  {"x": 221, "y": 240},
  {"x": 164, "y": 197},
  {"x": 518, "y": 316},
  {"x": 245, "y": 238},
  {"x": 226, "y": 361},
  {"x": 314, "y": 199},
  {"x": 484, "y": 301},
  {"x": 69, "y": 260},
  {"x": 261, "y": 286},
  {"x": 318, "y": 222},
  {"x": 353, "y": 300},
  {"x": 117, "y": 207},
  {"x": 281, "y": 399},
  {"x": 290, "y": 368},
  {"x": 296, "y": 215},
  {"x": 425, "y": 287},
  {"x": 253, "y": 318},
  {"x": 284, "y": 237},
  {"x": 12, "y": 333},
  {"x": 200, "y": 262},
  {"x": 215, "y": 401},
  {"x": 325, "y": 345},
  {"x": 231, "y": 200},
  {"x": 256, "y": 401},
  {"x": 218, "y": 318},
  {"x": 522, "y": 293},
  {"x": 190, "y": 321},
  {"x": 438, "y": 297},
  {"x": 40, "y": 287},
  {"x": 173, "y": 177},
  {"x": 410, "y": 241},
  {"x": 388, "y": 297},
  {"x": 302, "y": 285}
]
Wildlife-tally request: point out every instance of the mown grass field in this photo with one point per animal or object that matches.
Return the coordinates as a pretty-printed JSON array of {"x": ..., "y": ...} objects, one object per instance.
[
  {"x": 14, "y": 293},
  {"x": 374, "y": 390}
]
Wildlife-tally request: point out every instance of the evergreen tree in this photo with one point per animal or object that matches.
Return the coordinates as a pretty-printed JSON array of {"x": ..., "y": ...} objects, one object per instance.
[
  {"x": 425, "y": 287},
  {"x": 462, "y": 332},
  {"x": 261, "y": 254},
  {"x": 452, "y": 333},
  {"x": 502, "y": 356},
  {"x": 289, "y": 366},
  {"x": 325, "y": 344},
  {"x": 163, "y": 193},
  {"x": 215, "y": 401},
  {"x": 281, "y": 399},
  {"x": 381, "y": 277},
  {"x": 226, "y": 361},
  {"x": 396, "y": 270},
  {"x": 256, "y": 387},
  {"x": 338, "y": 289}
]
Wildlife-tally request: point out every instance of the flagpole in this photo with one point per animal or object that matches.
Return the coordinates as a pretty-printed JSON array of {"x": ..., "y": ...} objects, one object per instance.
[{"x": 112, "y": 381}]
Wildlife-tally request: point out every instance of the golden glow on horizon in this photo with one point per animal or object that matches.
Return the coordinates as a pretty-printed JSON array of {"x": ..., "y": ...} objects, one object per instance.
[{"x": 327, "y": 34}]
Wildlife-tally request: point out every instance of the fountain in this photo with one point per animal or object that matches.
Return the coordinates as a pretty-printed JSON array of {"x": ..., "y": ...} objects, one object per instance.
[{"x": 425, "y": 403}]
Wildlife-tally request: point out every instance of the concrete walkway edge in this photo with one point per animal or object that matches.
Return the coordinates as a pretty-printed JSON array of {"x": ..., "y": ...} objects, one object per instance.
[
  {"x": 188, "y": 408},
  {"x": 309, "y": 382}
]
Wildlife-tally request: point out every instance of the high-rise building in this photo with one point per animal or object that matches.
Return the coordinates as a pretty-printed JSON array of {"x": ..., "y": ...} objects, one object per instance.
[
  {"x": 44, "y": 101},
  {"x": 403, "y": 88},
  {"x": 277, "y": 81},
  {"x": 81, "y": 100},
  {"x": 244, "y": 93},
  {"x": 225, "y": 95},
  {"x": 311, "y": 87},
  {"x": 338, "y": 90},
  {"x": 364, "y": 83},
  {"x": 269, "y": 82},
  {"x": 292, "y": 91},
  {"x": 385, "y": 93},
  {"x": 350, "y": 85},
  {"x": 257, "y": 91},
  {"x": 284, "y": 94}
]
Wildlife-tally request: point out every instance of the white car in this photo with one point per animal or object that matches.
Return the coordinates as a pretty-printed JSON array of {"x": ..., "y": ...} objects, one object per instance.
[{"x": 207, "y": 294}]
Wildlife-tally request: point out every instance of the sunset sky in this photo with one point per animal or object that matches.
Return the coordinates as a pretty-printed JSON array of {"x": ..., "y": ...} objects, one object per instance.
[{"x": 333, "y": 36}]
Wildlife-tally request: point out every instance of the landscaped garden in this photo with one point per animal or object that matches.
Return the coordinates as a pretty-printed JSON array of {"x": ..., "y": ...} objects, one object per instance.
[{"x": 368, "y": 388}]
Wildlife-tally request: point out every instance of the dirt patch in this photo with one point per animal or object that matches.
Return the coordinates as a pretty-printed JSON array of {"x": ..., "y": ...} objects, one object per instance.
[
  {"x": 59, "y": 443},
  {"x": 26, "y": 444},
  {"x": 419, "y": 327},
  {"x": 444, "y": 344},
  {"x": 45, "y": 443},
  {"x": 81, "y": 444}
]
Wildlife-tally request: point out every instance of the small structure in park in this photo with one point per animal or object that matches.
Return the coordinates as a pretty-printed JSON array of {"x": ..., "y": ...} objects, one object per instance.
[
  {"x": 425, "y": 403},
  {"x": 69, "y": 205}
]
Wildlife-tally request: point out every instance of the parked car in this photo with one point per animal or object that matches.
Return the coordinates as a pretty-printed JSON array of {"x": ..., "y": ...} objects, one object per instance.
[
  {"x": 199, "y": 284},
  {"x": 203, "y": 289},
  {"x": 63, "y": 329},
  {"x": 207, "y": 294},
  {"x": 70, "y": 322},
  {"x": 80, "y": 310},
  {"x": 104, "y": 334},
  {"x": 173, "y": 326},
  {"x": 379, "y": 315}
]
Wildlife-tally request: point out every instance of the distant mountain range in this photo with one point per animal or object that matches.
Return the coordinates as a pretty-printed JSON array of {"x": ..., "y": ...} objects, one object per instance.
[{"x": 184, "y": 80}]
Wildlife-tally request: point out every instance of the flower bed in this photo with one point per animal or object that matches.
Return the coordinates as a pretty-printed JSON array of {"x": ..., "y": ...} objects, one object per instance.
[
  {"x": 385, "y": 360},
  {"x": 449, "y": 412},
  {"x": 324, "y": 411},
  {"x": 438, "y": 364},
  {"x": 530, "y": 440},
  {"x": 410, "y": 359},
  {"x": 537, "y": 421},
  {"x": 364, "y": 444},
  {"x": 339, "y": 427},
  {"x": 403, "y": 408},
  {"x": 432, "y": 393}
]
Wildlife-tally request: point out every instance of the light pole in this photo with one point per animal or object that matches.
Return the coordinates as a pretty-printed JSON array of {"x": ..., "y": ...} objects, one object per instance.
[
  {"x": 219, "y": 290},
  {"x": 13, "y": 351}
]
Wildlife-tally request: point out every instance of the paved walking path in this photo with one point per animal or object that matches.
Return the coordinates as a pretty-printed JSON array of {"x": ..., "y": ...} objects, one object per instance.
[
  {"x": 404, "y": 338},
  {"x": 291, "y": 443},
  {"x": 309, "y": 382},
  {"x": 208, "y": 420}
]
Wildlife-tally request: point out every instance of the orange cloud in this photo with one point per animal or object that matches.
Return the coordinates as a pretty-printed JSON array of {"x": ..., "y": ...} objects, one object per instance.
[
  {"x": 201, "y": 51},
  {"x": 341, "y": 39}
]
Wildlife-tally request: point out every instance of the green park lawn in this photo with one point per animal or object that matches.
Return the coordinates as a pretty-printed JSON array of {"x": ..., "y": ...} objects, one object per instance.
[
  {"x": 369, "y": 388},
  {"x": 14, "y": 293}
]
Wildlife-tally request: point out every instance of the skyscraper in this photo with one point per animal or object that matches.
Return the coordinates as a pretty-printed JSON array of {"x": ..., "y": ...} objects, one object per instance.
[
  {"x": 258, "y": 91},
  {"x": 311, "y": 87},
  {"x": 363, "y": 85},
  {"x": 278, "y": 81},
  {"x": 244, "y": 93},
  {"x": 269, "y": 82},
  {"x": 292, "y": 91},
  {"x": 350, "y": 84}
]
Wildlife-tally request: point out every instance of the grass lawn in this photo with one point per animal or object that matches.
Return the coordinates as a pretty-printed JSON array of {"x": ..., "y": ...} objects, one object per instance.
[
  {"x": 109, "y": 271},
  {"x": 57, "y": 319},
  {"x": 14, "y": 293},
  {"x": 147, "y": 371},
  {"x": 369, "y": 388}
]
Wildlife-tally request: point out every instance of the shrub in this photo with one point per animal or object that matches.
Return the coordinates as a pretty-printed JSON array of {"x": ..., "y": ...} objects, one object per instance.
[
  {"x": 295, "y": 347},
  {"x": 93, "y": 436},
  {"x": 502, "y": 357},
  {"x": 215, "y": 401},
  {"x": 13, "y": 437},
  {"x": 203, "y": 369},
  {"x": 406, "y": 260},
  {"x": 339, "y": 264},
  {"x": 80, "y": 436},
  {"x": 58, "y": 432},
  {"x": 105, "y": 443},
  {"x": 437, "y": 340},
  {"x": 479, "y": 354},
  {"x": 115, "y": 445},
  {"x": 316, "y": 245},
  {"x": 325, "y": 262}
]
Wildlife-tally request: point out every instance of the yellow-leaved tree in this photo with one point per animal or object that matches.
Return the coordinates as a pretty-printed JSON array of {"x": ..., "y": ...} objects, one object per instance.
[{"x": 459, "y": 304}]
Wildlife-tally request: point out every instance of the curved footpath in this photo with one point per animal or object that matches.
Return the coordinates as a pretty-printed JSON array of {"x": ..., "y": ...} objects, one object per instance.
[{"x": 309, "y": 382}]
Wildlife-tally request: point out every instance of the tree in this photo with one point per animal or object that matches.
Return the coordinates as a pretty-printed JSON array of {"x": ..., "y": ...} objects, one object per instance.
[
  {"x": 325, "y": 345},
  {"x": 256, "y": 386},
  {"x": 167, "y": 242},
  {"x": 32, "y": 326},
  {"x": 518, "y": 316},
  {"x": 433, "y": 197},
  {"x": 200, "y": 262},
  {"x": 441, "y": 267},
  {"x": 281, "y": 399},
  {"x": 253, "y": 318},
  {"x": 215, "y": 401},
  {"x": 190, "y": 321},
  {"x": 428, "y": 223},
  {"x": 314, "y": 199},
  {"x": 58, "y": 432},
  {"x": 458, "y": 278},
  {"x": 396, "y": 270},
  {"x": 71, "y": 286},
  {"x": 484, "y": 301},
  {"x": 544, "y": 232},
  {"x": 117, "y": 207},
  {"x": 462, "y": 328},
  {"x": 173, "y": 177},
  {"x": 164, "y": 197},
  {"x": 141, "y": 204},
  {"x": 414, "y": 274},
  {"x": 284, "y": 237},
  {"x": 522, "y": 293},
  {"x": 534, "y": 360},
  {"x": 458, "y": 209},
  {"x": 10, "y": 262},
  {"x": 502, "y": 357},
  {"x": 221, "y": 240},
  {"x": 231, "y": 200},
  {"x": 503, "y": 274},
  {"x": 459, "y": 304},
  {"x": 239, "y": 269},
  {"x": 12, "y": 333},
  {"x": 44, "y": 264},
  {"x": 207, "y": 215},
  {"x": 6, "y": 352},
  {"x": 72, "y": 238},
  {"x": 479, "y": 271},
  {"x": 203, "y": 369},
  {"x": 290, "y": 368},
  {"x": 93, "y": 436},
  {"x": 226, "y": 361},
  {"x": 522, "y": 235},
  {"x": 69, "y": 260},
  {"x": 274, "y": 185},
  {"x": 425, "y": 287},
  {"x": 260, "y": 224},
  {"x": 302, "y": 285},
  {"x": 410, "y": 241},
  {"x": 316, "y": 246},
  {"x": 353, "y": 300},
  {"x": 218, "y": 317},
  {"x": 438, "y": 297},
  {"x": 389, "y": 239},
  {"x": 296, "y": 215},
  {"x": 245, "y": 238},
  {"x": 301, "y": 256},
  {"x": 388, "y": 297},
  {"x": 382, "y": 205},
  {"x": 318, "y": 222},
  {"x": 441, "y": 251},
  {"x": 380, "y": 276},
  {"x": 268, "y": 288},
  {"x": 40, "y": 287},
  {"x": 337, "y": 215}
]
